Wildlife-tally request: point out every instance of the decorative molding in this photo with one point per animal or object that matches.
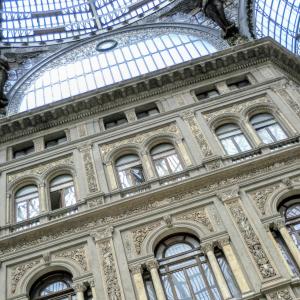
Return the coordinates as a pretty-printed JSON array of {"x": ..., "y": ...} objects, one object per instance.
[
  {"x": 223, "y": 242},
  {"x": 79, "y": 287},
  {"x": 135, "y": 269},
  {"x": 139, "y": 138},
  {"x": 89, "y": 169},
  {"x": 261, "y": 197},
  {"x": 110, "y": 270},
  {"x": 235, "y": 108},
  {"x": 102, "y": 234},
  {"x": 152, "y": 264},
  {"x": 190, "y": 119},
  {"x": 229, "y": 194},
  {"x": 291, "y": 102},
  {"x": 207, "y": 247},
  {"x": 77, "y": 254},
  {"x": 81, "y": 129},
  {"x": 41, "y": 169},
  {"x": 251, "y": 239},
  {"x": 197, "y": 215},
  {"x": 19, "y": 271},
  {"x": 140, "y": 234},
  {"x": 283, "y": 294}
]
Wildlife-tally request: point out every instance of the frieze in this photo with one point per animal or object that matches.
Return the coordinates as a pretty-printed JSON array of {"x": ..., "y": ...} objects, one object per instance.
[
  {"x": 197, "y": 215},
  {"x": 19, "y": 271},
  {"x": 236, "y": 108},
  {"x": 109, "y": 270},
  {"x": 77, "y": 254},
  {"x": 139, "y": 138},
  {"x": 251, "y": 239},
  {"x": 40, "y": 169},
  {"x": 261, "y": 197},
  {"x": 283, "y": 294},
  {"x": 140, "y": 234},
  {"x": 190, "y": 119}
]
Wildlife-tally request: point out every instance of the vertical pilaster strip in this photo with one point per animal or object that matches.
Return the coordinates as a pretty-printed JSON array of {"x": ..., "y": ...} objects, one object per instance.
[
  {"x": 111, "y": 176},
  {"x": 234, "y": 265},
  {"x": 109, "y": 266},
  {"x": 208, "y": 249},
  {"x": 147, "y": 164},
  {"x": 42, "y": 194},
  {"x": 184, "y": 153},
  {"x": 89, "y": 167},
  {"x": 138, "y": 282},
  {"x": 152, "y": 266},
  {"x": 233, "y": 203}
]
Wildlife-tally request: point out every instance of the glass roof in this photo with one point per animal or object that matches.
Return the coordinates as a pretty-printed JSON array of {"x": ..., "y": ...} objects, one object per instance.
[
  {"x": 42, "y": 21},
  {"x": 279, "y": 19},
  {"x": 104, "y": 62}
]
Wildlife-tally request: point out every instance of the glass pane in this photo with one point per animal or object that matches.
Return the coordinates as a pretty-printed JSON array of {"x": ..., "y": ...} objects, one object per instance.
[
  {"x": 242, "y": 142},
  {"x": 265, "y": 136},
  {"x": 211, "y": 281},
  {"x": 33, "y": 207},
  {"x": 53, "y": 288},
  {"x": 177, "y": 249},
  {"x": 69, "y": 196},
  {"x": 125, "y": 179},
  {"x": 168, "y": 289},
  {"x": 137, "y": 174},
  {"x": 161, "y": 167},
  {"x": 229, "y": 146},
  {"x": 293, "y": 211},
  {"x": 277, "y": 132},
  {"x": 21, "y": 211},
  {"x": 181, "y": 286},
  {"x": 198, "y": 284},
  {"x": 174, "y": 163}
]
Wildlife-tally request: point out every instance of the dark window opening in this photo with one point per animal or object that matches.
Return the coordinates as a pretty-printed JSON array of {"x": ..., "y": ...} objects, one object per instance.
[
  {"x": 207, "y": 94},
  {"x": 114, "y": 120},
  {"x": 23, "y": 149},
  {"x": 55, "y": 139},
  {"x": 238, "y": 84},
  {"x": 146, "y": 110}
]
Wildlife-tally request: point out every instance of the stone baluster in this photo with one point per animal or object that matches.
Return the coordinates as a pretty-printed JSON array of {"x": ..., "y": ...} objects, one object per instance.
[
  {"x": 234, "y": 265},
  {"x": 208, "y": 250},
  {"x": 136, "y": 271},
  {"x": 280, "y": 226},
  {"x": 152, "y": 266}
]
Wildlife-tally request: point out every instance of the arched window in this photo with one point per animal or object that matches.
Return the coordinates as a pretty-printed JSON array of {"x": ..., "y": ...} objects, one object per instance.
[
  {"x": 130, "y": 170},
  {"x": 267, "y": 128},
  {"x": 27, "y": 203},
  {"x": 62, "y": 192},
  {"x": 184, "y": 270},
  {"x": 55, "y": 285},
  {"x": 165, "y": 159},
  {"x": 232, "y": 139}
]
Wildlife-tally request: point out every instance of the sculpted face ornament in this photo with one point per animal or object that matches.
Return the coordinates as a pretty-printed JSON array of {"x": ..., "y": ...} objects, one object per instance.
[{"x": 214, "y": 10}]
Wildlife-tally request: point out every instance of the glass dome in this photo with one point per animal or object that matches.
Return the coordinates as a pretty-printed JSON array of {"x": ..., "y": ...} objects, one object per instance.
[
  {"x": 279, "y": 19},
  {"x": 104, "y": 62},
  {"x": 42, "y": 21}
]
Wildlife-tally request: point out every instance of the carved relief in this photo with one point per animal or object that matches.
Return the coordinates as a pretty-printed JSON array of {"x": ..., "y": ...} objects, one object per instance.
[
  {"x": 190, "y": 119},
  {"x": 41, "y": 169},
  {"x": 139, "y": 235},
  {"x": 291, "y": 102},
  {"x": 19, "y": 271},
  {"x": 78, "y": 255},
  {"x": 236, "y": 108},
  {"x": 197, "y": 215},
  {"x": 283, "y": 294},
  {"x": 261, "y": 197},
  {"x": 89, "y": 169},
  {"x": 109, "y": 270},
  {"x": 251, "y": 239},
  {"x": 140, "y": 138}
]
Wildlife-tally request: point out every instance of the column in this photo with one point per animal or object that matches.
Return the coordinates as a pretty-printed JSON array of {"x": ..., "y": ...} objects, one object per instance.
[
  {"x": 136, "y": 271},
  {"x": 152, "y": 266},
  {"x": 280, "y": 225},
  {"x": 184, "y": 153},
  {"x": 148, "y": 166},
  {"x": 271, "y": 237},
  {"x": 252, "y": 132},
  {"x": 208, "y": 249},
  {"x": 79, "y": 289},
  {"x": 42, "y": 195},
  {"x": 111, "y": 176},
  {"x": 234, "y": 265},
  {"x": 93, "y": 288}
]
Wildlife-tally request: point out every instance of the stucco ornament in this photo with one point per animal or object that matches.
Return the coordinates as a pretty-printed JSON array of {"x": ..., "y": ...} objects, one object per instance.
[
  {"x": 190, "y": 119},
  {"x": 251, "y": 239},
  {"x": 197, "y": 215},
  {"x": 78, "y": 255},
  {"x": 283, "y": 294},
  {"x": 291, "y": 102},
  {"x": 19, "y": 271},
  {"x": 140, "y": 234}
]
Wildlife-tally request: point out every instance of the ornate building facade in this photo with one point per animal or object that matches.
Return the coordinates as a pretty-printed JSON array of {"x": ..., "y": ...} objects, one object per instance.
[{"x": 154, "y": 162}]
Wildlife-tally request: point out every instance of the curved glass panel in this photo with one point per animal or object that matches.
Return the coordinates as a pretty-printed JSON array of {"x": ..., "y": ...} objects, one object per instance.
[
  {"x": 85, "y": 69},
  {"x": 177, "y": 249},
  {"x": 293, "y": 211},
  {"x": 279, "y": 19},
  {"x": 25, "y": 21},
  {"x": 54, "y": 287}
]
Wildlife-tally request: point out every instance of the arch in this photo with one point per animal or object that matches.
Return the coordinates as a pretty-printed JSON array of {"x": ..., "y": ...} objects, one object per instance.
[
  {"x": 23, "y": 180},
  {"x": 58, "y": 170},
  {"x": 258, "y": 108},
  {"x": 120, "y": 150},
  {"x": 220, "y": 120},
  {"x": 161, "y": 138}
]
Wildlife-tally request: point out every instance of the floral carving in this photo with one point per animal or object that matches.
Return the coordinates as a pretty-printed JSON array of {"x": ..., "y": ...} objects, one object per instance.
[
  {"x": 292, "y": 103},
  {"x": 236, "y": 108},
  {"x": 190, "y": 119},
  {"x": 140, "y": 138},
  {"x": 19, "y": 271},
  {"x": 78, "y": 255},
  {"x": 281, "y": 295},
  {"x": 261, "y": 196},
  {"x": 89, "y": 169},
  {"x": 109, "y": 269},
  {"x": 41, "y": 169},
  {"x": 198, "y": 215},
  {"x": 141, "y": 233},
  {"x": 251, "y": 239}
]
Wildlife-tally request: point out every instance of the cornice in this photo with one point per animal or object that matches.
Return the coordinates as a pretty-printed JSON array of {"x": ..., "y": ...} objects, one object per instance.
[{"x": 223, "y": 62}]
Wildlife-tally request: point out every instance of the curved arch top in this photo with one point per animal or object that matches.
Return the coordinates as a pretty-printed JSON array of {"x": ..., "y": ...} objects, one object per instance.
[{"x": 138, "y": 51}]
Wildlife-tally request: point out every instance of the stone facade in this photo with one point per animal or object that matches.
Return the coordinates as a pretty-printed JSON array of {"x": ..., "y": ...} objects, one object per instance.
[{"x": 108, "y": 237}]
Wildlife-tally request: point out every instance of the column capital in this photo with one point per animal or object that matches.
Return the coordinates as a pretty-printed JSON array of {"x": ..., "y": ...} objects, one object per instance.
[
  {"x": 102, "y": 234},
  {"x": 207, "y": 247},
  {"x": 223, "y": 242},
  {"x": 135, "y": 269},
  {"x": 228, "y": 194},
  {"x": 278, "y": 224},
  {"x": 152, "y": 264},
  {"x": 79, "y": 287},
  {"x": 91, "y": 283}
]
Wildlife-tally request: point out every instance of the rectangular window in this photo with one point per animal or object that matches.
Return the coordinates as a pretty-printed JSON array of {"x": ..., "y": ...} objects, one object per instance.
[
  {"x": 207, "y": 93},
  {"x": 238, "y": 83},
  {"x": 55, "y": 139},
  {"x": 146, "y": 110},
  {"x": 23, "y": 149},
  {"x": 114, "y": 120}
]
